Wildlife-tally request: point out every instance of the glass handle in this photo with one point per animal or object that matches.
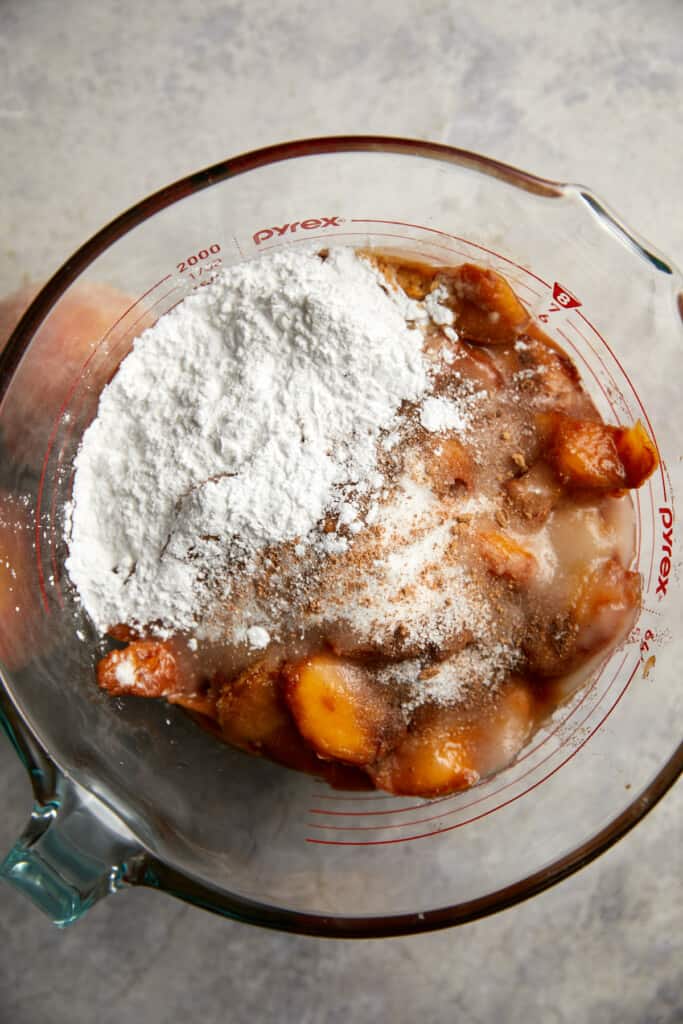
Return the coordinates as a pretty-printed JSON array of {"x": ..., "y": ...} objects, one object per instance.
[{"x": 73, "y": 852}]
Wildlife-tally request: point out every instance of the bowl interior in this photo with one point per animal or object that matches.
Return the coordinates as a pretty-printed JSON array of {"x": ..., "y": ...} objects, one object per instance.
[{"x": 248, "y": 829}]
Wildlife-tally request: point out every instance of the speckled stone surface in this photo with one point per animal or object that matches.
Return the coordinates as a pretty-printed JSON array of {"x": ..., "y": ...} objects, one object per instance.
[{"x": 100, "y": 103}]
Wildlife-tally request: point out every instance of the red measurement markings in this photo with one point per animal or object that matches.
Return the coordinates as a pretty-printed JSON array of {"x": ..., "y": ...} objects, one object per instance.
[
  {"x": 562, "y": 301},
  {"x": 529, "y": 753},
  {"x": 605, "y": 366},
  {"x": 484, "y": 814},
  {"x": 473, "y": 803},
  {"x": 199, "y": 257},
  {"x": 519, "y": 283},
  {"x": 373, "y": 797},
  {"x": 648, "y": 636}
]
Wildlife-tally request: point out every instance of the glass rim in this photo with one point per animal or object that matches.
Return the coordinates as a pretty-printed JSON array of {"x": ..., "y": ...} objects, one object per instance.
[
  {"x": 154, "y": 872},
  {"x": 323, "y": 145}
]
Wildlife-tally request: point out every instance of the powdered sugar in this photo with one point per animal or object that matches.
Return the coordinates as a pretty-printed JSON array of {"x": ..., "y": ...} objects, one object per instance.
[
  {"x": 258, "y": 638},
  {"x": 125, "y": 674},
  {"x": 414, "y": 581},
  {"x": 231, "y": 425},
  {"x": 434, "y": 305},
  {"x": 448, "y": 682},
  {"x": 439, "y": 414}
]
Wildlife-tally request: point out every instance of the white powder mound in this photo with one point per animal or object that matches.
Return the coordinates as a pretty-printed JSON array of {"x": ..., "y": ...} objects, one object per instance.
[
  {"x": 230, "y": 425},
  {"x": 258, "y": 637},
  {"x": 440, "y": 414},
  {"x": 434, "y": 305}
]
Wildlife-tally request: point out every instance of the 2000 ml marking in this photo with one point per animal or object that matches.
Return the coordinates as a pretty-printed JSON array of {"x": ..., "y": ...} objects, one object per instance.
[{"x": 198, "y": 260}]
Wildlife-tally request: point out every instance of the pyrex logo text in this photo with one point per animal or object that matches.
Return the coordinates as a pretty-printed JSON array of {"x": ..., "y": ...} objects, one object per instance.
[
  {"x": 667, "y": 547},
  {"x": 305, "y": 225}
]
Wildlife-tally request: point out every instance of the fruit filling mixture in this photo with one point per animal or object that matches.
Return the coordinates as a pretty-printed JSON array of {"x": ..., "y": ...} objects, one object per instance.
[{"x": 357, "y": 515}]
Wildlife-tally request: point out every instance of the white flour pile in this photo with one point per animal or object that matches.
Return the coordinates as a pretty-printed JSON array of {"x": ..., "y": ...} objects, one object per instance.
[{"x": 231, "y": 425}]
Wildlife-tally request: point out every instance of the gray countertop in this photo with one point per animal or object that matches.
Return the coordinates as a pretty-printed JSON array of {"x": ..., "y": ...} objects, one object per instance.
[{"x": 101, "y": 103}]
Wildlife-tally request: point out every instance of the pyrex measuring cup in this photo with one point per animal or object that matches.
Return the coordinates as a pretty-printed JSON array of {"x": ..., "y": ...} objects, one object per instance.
[{"x": 131, "y": 792}]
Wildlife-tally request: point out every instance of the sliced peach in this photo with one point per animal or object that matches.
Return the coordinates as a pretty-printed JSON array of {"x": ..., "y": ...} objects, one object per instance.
[
  {"x": 536, "y": 333},
  {"x": 251, "y": 712},
  {"x": 414, "y": 278},
  {"x": 604, "y": 603},
  {"x": 591, "y": 455},
  {"x": 481, "y": 368},
  {"x": 557, "y": 381},
  {"x": 123, "y": 633},
  {"x": 145, "y": 668},
  {"x": 254, "y": 716},
  {"x": 488, "y": 312},
  {"x": 339, "y": 710},
  {"x": 637, "y": 453},
  {"x": 601, "y": 611},
  {"x": 449, "y": 749},
  {"x": 435, "y": 757},
  {"x": 550, "y": 645},
  {"x": 152, "y": 668},
  {"x": 506, "y": 729},
  {"x": 535, "y": 494},
  {"x": 506, "y": 557},
  {"x": 471, "y": 363},
  {"x": 583, "y": 453},
  {"x": 201, "y": 700},
  {"x": 449, "y": 465}
]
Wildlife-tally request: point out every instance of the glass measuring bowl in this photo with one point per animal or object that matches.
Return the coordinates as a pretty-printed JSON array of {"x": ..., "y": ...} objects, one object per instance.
[{"x": 131, "y": 792}]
